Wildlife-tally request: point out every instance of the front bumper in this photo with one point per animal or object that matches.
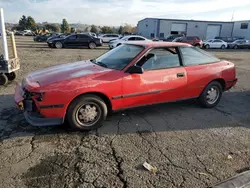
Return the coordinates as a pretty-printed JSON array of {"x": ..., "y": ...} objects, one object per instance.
[
  {"x": 231, "y": 83},
  {"x": 111, "y": 46},
  {"x": 31, "y": 115}
]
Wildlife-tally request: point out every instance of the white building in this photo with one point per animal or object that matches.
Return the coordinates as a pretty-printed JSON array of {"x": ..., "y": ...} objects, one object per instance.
[{"x": 154, "y": 27}]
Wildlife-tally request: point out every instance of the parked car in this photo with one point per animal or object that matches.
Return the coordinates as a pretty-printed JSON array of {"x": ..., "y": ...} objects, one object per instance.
[
  {"x": 108, "y": 37},
  {"x": 19, "y": 33},
  {"x": 131, "y": 75},
  {"x": 193, "y": 40},
  {"x": 214, "y": 43},
  {"x": 229, "y": 39},
  {"x": 28, "y": 33},
  {"x": 115, "y": 43},
  {"x": 239, "y": 44},
  {"x": 43, "y": 38},
  {"x": 75, "y": 40},
  {"x": 170, "y": 38},
  {"x": 62, "y": 35}
]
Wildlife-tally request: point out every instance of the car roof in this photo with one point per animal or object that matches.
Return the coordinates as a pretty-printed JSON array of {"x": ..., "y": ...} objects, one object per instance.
[{"x": 157, "y": 44}]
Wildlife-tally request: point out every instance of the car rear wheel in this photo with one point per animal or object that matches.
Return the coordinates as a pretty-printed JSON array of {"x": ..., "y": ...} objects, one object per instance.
[
  {"x": 235, "y": 47},
  {"x": 11, "y": 76},
  {"x": 3, "y": 79},
  {"x": 87, "y": 112},
  {"x": 92, "y": 45},
  {"x": 211, "y": 95},
  {"x": 59, "y": 45},
  {"x": 223, "y": 46},
  {"x": 207, "y": 46}
]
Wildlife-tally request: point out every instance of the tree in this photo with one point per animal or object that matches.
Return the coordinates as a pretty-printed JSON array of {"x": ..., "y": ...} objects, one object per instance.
[
  {"x": 53, "y": 27},
  {"x": 65, "y": 26},
  {"x": 23, "y": 22},
  {"x": 72, "y": 30},
  {"x": 106, "y": 29},
  {"x": 120, "y": 30},
  {"x": 30, "y": 24},
  {"x": 93, "y": 29}
]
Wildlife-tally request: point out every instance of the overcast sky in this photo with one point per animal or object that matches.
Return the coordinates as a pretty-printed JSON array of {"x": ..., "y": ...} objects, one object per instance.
[{"x": 117, "y": 12}]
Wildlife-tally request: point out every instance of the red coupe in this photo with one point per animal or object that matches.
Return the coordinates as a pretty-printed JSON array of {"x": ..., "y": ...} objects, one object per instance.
[{"x": 131, "y": 75}]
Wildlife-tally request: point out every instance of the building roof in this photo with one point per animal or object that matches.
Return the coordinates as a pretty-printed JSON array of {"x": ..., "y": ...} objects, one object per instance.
[{"x": 189, "y": 20}]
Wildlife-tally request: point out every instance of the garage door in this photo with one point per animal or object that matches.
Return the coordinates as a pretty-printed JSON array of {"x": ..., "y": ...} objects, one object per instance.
[
  {"x": 178, "y": 28},
  {"x": 213, "y": 31}
]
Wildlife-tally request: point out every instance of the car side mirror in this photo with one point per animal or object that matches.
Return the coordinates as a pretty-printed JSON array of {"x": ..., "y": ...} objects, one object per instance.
[{"x": 135, "y": 70}]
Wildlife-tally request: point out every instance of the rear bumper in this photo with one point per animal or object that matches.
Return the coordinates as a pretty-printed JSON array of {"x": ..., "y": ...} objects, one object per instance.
[{"x": 32, "y": 117}]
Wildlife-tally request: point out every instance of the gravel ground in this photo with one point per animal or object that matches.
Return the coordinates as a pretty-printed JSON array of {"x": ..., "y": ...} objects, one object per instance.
[{"x": 190, "y": 146}]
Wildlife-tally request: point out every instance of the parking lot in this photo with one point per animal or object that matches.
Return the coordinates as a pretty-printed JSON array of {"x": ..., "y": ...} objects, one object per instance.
[{"x": 189, "y": 145}]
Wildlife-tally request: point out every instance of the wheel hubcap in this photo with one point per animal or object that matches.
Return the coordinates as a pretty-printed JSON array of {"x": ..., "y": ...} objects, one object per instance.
[
  {"x": 212, "y": 95},
  {"x": 58, "y": 45},
  {"x": 87, "y": 114}
]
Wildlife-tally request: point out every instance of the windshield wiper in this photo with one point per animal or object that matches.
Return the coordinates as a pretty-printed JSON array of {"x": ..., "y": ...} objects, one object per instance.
[{"x": 99, "y": 63}]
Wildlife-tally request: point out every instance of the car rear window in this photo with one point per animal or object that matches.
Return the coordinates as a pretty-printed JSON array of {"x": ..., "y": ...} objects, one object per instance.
[{"x": 196, "y": 56}]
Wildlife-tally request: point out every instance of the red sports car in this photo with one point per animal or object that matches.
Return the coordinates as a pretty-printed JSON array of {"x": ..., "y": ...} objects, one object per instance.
[{"x": 131, "y": 75}]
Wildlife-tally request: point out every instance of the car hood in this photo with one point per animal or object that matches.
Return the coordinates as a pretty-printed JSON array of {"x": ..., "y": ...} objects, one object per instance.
[{"x": 63, "y": 72}]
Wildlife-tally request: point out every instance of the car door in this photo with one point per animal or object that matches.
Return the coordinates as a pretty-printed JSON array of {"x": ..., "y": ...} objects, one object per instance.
[
  {"x": 217, "y": 43},
  {"x": 163, "y": 79},
  {"x": 71, "y": 40},
  {"x": 200, "y": 68},
  {"x": 83, "y": 40}
]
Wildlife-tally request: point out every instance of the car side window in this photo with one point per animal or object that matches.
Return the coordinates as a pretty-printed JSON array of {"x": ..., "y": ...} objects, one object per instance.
[
  {"x": 83, "y": 36},
  {"x": 139, "y": 38},
  {"x": 131, "y": 38},
  {"x": 72, "y": 37},
  {"x": 217, "y": 41},
  {"x": 195, "y": 56},
  {"x": 160, "y": 58}
]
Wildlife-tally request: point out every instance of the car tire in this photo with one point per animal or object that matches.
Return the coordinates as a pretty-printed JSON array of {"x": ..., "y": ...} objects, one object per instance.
[
  {"x": 236, "y": 47},
  {"x": 91, "y": 104},
  {"x": 11, "y": 76},
  {"x": 58, "y": 45},
  {"x": 92, "y": 45},
  {"x": 211, "y": 95},
  {"x": 223, "y": 46},
  {"x": 207, "y": 46},
  {"x": 3, "y": 79}
]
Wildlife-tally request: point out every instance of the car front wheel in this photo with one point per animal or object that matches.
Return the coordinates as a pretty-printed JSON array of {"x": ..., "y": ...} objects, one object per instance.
[
  {"x": 207, "y": 46},
  {"x": 59, "y": 45},
  {"x": 211, "y": 95},
  {"x": 87, "y": 112},
  {"x": 223, "y": 46}
]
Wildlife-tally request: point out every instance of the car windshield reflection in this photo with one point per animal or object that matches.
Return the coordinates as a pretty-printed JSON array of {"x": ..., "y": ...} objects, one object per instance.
[{"x": 119, "y": 57}]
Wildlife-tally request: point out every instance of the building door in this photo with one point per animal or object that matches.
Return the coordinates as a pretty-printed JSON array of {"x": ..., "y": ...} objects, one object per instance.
[
  {"x": 178, "y": 28},
  {"x": 213, "y": 31}
]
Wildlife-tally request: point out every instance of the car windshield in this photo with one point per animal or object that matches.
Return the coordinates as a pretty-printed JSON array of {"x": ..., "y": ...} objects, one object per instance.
[
  {"x": 123, "y": 38},
  {"x": 119, "y": 57}
]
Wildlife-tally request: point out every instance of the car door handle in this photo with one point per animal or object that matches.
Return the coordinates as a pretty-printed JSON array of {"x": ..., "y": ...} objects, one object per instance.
[{"x": 180, "y": 74}]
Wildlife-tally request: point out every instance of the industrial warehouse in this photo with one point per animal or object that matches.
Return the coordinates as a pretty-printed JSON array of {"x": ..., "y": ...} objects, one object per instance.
[{"x": 161, "y": 28}]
